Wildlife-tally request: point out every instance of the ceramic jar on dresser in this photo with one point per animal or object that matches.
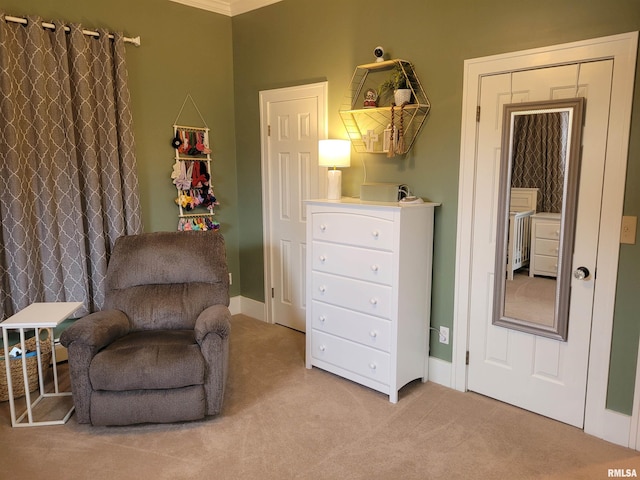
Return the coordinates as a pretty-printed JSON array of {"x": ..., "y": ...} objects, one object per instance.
[{"x": 369, "y": 291}]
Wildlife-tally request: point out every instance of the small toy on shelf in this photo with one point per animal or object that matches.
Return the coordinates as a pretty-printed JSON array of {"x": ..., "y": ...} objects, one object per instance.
[{"x": 370, "y": 98}]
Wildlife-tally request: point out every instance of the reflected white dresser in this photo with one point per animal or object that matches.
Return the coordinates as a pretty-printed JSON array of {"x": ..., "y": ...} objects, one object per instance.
[
  {"x": 369, "y": 291},
  {"x": 545, "y": 244}
]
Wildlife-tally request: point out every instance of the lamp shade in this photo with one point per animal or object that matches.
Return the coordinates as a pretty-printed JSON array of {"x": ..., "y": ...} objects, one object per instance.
[{"x": 334, "y": 153}]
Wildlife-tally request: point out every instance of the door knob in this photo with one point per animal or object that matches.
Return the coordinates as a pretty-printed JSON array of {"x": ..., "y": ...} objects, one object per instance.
[{"x": 581, "y": 273}]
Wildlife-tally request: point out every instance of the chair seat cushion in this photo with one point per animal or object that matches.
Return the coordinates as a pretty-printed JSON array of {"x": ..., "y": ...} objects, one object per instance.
[{"x": 149, "y": 360}]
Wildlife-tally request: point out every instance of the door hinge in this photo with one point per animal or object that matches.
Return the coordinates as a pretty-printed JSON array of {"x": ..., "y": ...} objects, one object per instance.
[
  {"x": 273, "y": 293},
  {"x": 467, "y": 358},
  {"x": 478, "y": 113},
  {"x": 268, "y": 130}
]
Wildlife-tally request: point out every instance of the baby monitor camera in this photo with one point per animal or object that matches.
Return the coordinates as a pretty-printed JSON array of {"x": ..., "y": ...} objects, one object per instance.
[{"x": 379, "y": 53}]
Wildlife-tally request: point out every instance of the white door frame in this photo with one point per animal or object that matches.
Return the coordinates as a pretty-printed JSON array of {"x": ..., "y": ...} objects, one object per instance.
[
  {"x": 318, "y": 90},
  {"x": 622, "y": 48},
  {"x": 634, "y": 430}
]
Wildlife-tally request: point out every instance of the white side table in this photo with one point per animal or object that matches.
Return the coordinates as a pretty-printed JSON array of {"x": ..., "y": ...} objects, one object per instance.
[{"x": 37, "y": 316}]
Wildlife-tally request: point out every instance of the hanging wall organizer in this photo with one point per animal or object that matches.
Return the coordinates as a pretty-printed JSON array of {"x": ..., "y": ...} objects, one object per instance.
[{"x": 192, "y": 175}]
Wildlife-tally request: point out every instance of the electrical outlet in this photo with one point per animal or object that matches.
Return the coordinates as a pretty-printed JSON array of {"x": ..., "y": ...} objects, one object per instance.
[
  {"x": 444, "y": 335},
  {"x": 628, "y": 230}
]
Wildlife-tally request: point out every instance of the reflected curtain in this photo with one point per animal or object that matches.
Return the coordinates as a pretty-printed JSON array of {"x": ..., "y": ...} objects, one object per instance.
[
  {"x": 68, "y": 181},
  {"x": 539, "y": 156}
]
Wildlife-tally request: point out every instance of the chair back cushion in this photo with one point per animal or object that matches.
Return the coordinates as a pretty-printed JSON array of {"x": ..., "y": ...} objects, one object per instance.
[{"x": 164, "y": 280}]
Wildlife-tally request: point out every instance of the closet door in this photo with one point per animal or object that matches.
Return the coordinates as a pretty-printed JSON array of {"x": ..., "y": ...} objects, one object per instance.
[
  {"x": 293, "y": 121},
  {"x": 539, "y": 374}
]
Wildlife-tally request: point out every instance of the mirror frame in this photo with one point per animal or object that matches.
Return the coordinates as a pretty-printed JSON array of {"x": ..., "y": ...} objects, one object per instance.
[{"x": 575, "y": 107}]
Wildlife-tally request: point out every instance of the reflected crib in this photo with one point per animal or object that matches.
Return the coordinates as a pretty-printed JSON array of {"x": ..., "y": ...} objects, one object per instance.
[{"x": 522, "y": 206}]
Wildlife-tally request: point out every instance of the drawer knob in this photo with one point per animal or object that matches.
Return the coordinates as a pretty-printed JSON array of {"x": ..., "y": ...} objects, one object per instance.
[
  {"x": 323, "y": 258},
  {"x": 373, "y": 334},
  {"x": 322, "y": 348},
  {"x": 374, "y": 301},
  {"x": 375, "y": 234},
  {"x": 323, "y": 227},
  {"x": 557, "y": 233},
  {"x": 372, "y": 366},
  {"x": 322, "y": 288},
  {"x": 375, "y": 268},
  {"x": 322, "y": 318}
]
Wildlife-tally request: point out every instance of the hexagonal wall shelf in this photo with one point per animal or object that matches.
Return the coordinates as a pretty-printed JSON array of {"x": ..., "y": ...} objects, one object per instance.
[{"x": 384, "y": 126}]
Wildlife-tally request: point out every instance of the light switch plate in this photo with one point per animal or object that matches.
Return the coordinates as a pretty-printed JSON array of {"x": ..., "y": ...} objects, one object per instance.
[{"x": 628, "y": 230}]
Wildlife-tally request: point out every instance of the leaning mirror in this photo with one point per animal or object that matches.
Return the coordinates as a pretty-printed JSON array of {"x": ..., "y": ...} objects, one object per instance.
[{"x": 540, "y": 164}]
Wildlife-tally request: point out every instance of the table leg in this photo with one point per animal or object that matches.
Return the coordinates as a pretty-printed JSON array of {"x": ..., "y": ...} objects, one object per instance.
[
  {"x": 39, "y": 357},
  {"x": 54, "y": 362},
  {"x": 25, "y": 376}
]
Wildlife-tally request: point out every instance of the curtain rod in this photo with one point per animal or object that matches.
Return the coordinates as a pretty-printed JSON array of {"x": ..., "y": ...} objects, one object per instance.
[{"x": 135, "y": 41}]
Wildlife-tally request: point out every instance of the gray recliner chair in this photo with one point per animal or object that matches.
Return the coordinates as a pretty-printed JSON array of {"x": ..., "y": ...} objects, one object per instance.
[{"x": 158, "y": 351}]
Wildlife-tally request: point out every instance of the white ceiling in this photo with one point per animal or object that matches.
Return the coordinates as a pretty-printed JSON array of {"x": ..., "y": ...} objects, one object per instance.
[{"x": 227, "y": 7}]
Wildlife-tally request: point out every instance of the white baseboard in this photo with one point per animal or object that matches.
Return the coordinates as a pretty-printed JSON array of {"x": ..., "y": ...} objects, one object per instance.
[
  {"x": 616, "y": 428},
  {"x": 247, "y": 306},
  {"x": 440, "y": 371},
  {"x": 235, "y": 305}
]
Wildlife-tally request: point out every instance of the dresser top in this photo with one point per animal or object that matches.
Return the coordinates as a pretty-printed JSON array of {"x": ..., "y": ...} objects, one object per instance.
[
  {"x": 351, "y": 201},
  {"x": 547, "y": 216}
]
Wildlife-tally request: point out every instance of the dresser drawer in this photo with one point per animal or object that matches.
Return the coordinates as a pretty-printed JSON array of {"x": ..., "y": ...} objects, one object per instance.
[
  {"x": 544, "y": 265},
  {"x": 365, "y": 297},
  {"x": 547, "y": 247},
  {"x": 370, "y": 331},
  {"x": 356, "y": 358},
  {"x": 360, "y": 263},
  {"x": 353, "y": 229},
  {"x": 547, "y": 230}
]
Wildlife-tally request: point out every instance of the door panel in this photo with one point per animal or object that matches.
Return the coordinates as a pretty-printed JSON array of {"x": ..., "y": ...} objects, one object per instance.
[
  {"x": 293, "y": 177},
  {"x": 539, "y": 374}
]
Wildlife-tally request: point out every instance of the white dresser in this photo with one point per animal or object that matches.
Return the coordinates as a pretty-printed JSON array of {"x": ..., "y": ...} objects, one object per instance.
[
  {"x": 545, "y": 243},
  {"x": 369, "y": 291}
]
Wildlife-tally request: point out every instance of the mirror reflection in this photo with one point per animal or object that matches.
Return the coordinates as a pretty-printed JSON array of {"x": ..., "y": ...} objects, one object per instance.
[{"x": 539, "y": 173}]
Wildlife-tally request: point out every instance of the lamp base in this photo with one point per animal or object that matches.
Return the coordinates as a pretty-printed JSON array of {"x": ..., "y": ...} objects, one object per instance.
[{"x": 334, "y": 184}]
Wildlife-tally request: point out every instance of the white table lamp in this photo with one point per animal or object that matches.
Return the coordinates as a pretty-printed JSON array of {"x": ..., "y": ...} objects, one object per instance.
[{"x": 334, "y": 153}]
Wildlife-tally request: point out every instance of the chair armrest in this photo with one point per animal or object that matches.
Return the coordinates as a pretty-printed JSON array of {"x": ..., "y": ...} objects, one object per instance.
[
  {"x": 215, "y": 319},
  {"x": 84, "y": 339},
  {"x": 212, "y": 330},
  {"x": 96, "y": 330}
]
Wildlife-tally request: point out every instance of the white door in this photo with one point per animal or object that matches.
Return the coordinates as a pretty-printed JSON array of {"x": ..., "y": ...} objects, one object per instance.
[
  {"x": 295, "y": 122},
  {"x": 539, "y": 374}
]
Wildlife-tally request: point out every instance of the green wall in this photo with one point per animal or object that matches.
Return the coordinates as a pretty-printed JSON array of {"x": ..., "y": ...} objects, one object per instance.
[
  {"x": 302, "y": 41},
  {"x": 225, "y": 62},
  {"x": 184, "y": 50}
]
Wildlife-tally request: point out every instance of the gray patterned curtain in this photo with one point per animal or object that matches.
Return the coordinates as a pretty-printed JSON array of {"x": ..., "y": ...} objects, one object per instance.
[
  {"x": 68, "y": 182},
  {"x": 539, "y": 156}
]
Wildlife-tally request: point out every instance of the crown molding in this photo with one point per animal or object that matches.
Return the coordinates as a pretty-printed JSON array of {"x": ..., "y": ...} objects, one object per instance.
[
  {"x": 227, "y": 7},
  {"x": 244, "y": 6}
]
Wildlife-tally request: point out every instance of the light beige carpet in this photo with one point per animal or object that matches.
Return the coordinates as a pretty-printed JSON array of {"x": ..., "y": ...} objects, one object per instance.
[
  {"x": 282, "y": 421},
  {"x": 531, "y": 298}
]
